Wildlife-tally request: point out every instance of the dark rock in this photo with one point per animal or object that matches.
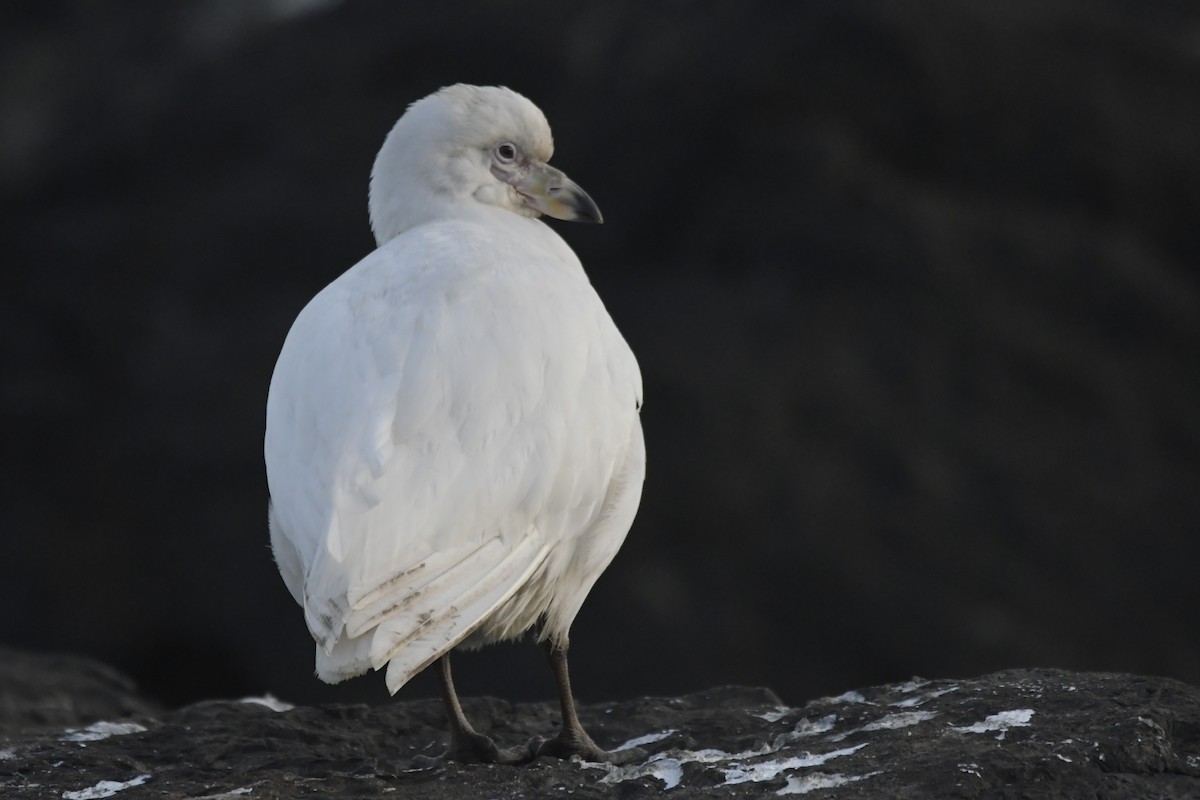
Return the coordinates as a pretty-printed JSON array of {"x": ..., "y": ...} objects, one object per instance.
[
  {"x": 1021, "y": 733},
  {"x": 49, "y": 692}
]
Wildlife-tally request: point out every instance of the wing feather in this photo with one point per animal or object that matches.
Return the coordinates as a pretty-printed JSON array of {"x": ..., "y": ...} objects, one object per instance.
[
  {"x": 410, "y": 640},
  {"x": 424, "y": 585}
]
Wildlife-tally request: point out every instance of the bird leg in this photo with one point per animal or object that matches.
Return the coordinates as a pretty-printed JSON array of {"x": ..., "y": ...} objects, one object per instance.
[
  {"x": 467, "y": 744},
  {"x": 572, "y": 739}
]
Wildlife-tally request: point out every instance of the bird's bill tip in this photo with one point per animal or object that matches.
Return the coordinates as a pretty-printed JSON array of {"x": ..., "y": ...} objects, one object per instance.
[{"x": 552, "y": 193}]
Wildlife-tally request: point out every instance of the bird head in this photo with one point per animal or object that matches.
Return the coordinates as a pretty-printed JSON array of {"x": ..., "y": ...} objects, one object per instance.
[{"x": 470, "y": 144}]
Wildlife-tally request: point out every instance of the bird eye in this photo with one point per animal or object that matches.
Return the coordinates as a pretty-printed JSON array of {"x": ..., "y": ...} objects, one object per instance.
[{"x": 506, "y": 152}]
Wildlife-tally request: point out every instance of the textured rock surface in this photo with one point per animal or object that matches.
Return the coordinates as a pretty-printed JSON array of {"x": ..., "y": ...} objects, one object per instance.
[
  {"x": 51, "y": 692},
  {"x": 1021, "y": 733}
]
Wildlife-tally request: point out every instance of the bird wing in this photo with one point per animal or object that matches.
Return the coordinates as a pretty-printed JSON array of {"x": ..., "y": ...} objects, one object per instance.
[{"x": 440, "y": 419}]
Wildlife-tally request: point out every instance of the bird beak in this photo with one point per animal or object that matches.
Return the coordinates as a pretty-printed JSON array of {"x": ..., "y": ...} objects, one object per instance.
[{"x": 552, "y": 193}]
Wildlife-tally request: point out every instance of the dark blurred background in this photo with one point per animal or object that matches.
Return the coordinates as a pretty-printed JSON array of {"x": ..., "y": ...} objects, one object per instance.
[{"x": 914, "y": 287}]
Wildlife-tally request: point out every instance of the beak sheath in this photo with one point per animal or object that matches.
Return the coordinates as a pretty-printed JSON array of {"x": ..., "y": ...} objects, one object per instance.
[{"x": 554, "y": 194}]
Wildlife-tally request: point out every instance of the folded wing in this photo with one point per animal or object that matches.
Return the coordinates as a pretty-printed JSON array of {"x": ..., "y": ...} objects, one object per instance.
[{"x": 434, "y": 435}]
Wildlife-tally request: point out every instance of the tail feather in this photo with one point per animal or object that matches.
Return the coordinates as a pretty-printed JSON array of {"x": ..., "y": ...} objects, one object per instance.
[{"x": 346, "y": 659}]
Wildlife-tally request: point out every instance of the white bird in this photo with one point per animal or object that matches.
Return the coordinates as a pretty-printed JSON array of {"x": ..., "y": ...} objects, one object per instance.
[{"x": 453, "y": 446}]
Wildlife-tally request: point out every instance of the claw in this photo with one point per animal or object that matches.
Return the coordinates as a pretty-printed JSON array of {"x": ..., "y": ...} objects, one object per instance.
[
  {"x": 566, "y": 745},
  {"x": 475, "y": 748}
]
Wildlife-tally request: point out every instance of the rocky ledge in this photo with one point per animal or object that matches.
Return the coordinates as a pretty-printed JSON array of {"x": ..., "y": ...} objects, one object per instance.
[{"x": 74, "y": 730}]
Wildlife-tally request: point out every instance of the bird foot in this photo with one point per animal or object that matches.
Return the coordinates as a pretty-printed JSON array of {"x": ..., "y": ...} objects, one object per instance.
[
  {"x": 475, "y": 748},
  {"x": 580, "y": 744}
]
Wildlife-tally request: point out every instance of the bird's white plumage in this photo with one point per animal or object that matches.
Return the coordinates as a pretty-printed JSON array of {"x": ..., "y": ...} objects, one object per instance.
[{"x": 453, "y": 447}]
